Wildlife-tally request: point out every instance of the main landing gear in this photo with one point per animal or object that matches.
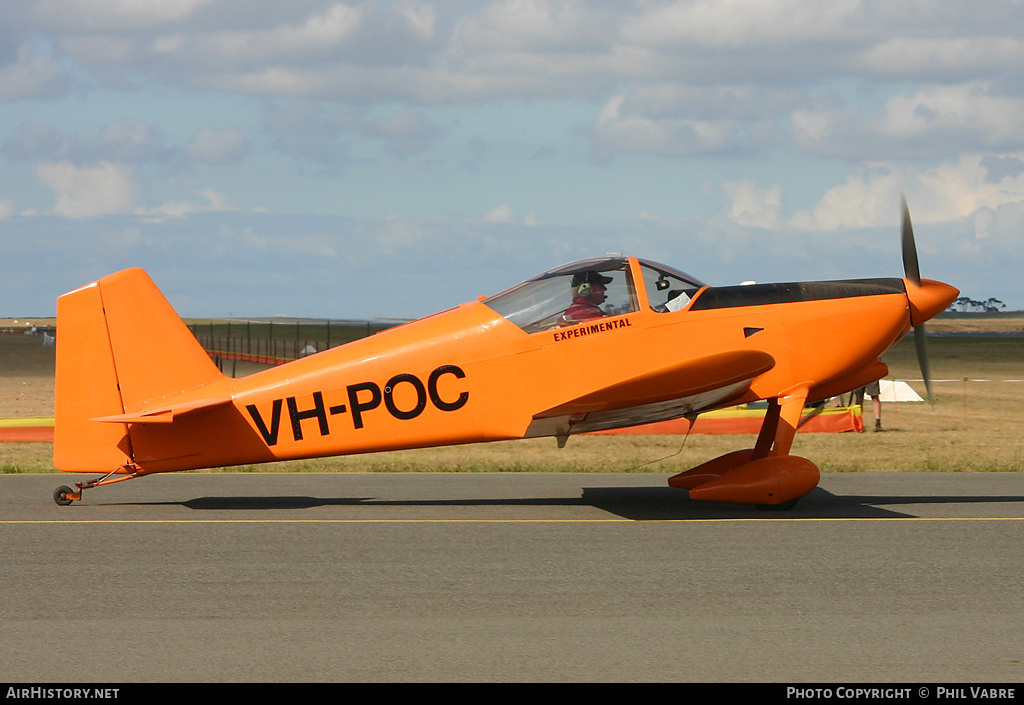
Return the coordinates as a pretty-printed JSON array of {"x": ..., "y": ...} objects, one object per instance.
[{"x": 766, "y": 475}]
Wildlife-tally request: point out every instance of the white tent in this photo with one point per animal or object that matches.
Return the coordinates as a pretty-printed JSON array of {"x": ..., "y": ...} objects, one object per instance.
[{"x": 897, "y": 391}]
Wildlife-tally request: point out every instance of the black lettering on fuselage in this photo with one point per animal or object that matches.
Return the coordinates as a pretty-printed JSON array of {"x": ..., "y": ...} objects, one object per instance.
[
  {"x": 358, "y": 407},
  {"x": 362, "y": 397},
  {"x": 318, "y": 412},
  {"x": 269, "y": 437},
  {"x": 436, "y": 398},
  {"x": 389, "y": 397}
]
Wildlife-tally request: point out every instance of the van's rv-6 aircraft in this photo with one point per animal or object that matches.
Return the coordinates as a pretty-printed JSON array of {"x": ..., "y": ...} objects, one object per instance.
[{"x": 592, "y": 345}]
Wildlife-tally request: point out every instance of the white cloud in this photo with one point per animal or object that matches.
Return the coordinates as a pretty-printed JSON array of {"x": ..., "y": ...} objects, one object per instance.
[
  {"x": 861, "y": 202},
  {"x": 946, "y": 193},
  {"x": 127, "y": 141},
  {"x": 952, "y": 191},
  {"x": 112, "y": 15},
  {"x": 738, "y": 23},
  {"x": 316, "y": 33},
  {"x": 944, "y": 111},
  {"x": 754, "y": 207},
  {"x": 506, "y": 214},
  {"x": 90, "y": 190},
  {"x": 31, "y": 75},
  {"x": 6, "y": 208},
  {"x": 404, "y": 134},
  {"x": 931, "y": 121},
  {"x": 534, "y": 25},
  {"x": 941, "y": 58},
  {"x": 500, "y": 214},
  {"x": 620, "y": 129},
  {"x": 131, "y": 141},
  {"x": 215, "y": 201}
]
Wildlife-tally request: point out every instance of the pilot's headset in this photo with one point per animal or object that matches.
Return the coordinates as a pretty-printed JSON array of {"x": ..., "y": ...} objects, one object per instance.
[{"x": 583, "y": 282}]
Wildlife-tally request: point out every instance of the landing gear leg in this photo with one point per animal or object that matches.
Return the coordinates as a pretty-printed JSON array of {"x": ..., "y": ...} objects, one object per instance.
[
  {"x": 64, "y": 495},
  {"x": 766, "y": 475}
]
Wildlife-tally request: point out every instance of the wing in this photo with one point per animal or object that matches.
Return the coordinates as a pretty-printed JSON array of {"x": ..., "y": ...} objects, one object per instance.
[{"x": 682, "y": 388}]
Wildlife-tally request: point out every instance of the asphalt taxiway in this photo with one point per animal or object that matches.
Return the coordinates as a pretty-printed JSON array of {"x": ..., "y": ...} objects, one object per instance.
[{"x": 510, "y": 577}]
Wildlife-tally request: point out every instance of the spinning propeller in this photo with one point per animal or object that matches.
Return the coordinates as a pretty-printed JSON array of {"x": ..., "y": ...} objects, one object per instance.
[{"x": 912, "y": 270}]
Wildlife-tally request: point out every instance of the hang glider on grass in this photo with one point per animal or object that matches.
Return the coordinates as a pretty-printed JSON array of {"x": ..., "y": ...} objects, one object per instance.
[{"x": 593, "y": 345}]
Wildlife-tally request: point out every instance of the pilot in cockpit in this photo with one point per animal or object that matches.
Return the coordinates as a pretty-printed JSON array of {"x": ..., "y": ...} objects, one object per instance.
[{"x": 588, "y": 293}]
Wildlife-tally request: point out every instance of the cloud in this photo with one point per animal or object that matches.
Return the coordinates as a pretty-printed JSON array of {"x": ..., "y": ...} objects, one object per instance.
[
  {"x": 869, "y": 198},
  {"x": 619, "y": 129},
  {"x": 32, "y": 75},
  {"x": 321, "y": 134},
  {"x": 998, "y": 168},
  {"x": 324, "y": 31},
  {"x": 500, "y": 214},
  {"x": 863, "y": 201},
  {"x": 754, "y": 207},
  {"x": 403, "y": 134},
  {"x": 125, "y": 141},
  {"x": 735, "y": 23},
  {"x": 506, "y": 214},
  {"x": 933, "y": 121},
  {"x": 128, "y": 141},
  {"x": 943, "y": 58},
  {"x": 89, "y": 191},
  {"x": 35, "y": 141},
  {"x": 113, "y": 15},
  {"x": 175, "y": 209}
]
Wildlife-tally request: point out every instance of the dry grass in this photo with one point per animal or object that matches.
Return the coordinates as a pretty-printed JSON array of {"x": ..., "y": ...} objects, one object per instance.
[{"x": 974, "y": 426}]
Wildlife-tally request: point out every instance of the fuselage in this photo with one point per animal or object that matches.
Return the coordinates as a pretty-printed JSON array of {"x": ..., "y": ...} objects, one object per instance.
[{"x": 471, "y": 374}]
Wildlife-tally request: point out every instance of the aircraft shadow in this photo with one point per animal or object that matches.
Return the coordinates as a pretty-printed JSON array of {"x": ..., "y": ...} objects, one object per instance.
[
  {"x": 666, "y": 504},
  {"x": 635, "y": 503}
]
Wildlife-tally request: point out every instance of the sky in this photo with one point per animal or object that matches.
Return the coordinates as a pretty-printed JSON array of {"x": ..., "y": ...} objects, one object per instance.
[{"x": 395, "y": 159}]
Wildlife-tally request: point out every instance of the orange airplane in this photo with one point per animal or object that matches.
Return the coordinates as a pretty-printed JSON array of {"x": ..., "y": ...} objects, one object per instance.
[{"x": 592, "y": 345}]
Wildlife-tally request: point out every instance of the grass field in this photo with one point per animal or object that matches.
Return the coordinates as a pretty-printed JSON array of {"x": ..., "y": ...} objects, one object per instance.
[{"x": 974, "y": 426}]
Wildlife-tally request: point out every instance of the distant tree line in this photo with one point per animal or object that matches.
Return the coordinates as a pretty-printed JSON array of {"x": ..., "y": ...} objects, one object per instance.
[{"x": 966, "y": 304}]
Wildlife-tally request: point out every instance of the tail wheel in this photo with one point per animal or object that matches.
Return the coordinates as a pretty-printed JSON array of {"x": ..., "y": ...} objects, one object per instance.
[{"x": 62, "y": 495}]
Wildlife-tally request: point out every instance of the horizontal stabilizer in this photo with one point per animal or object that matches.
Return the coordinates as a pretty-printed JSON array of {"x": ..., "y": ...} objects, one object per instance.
[{"x": 164, "y": 414}]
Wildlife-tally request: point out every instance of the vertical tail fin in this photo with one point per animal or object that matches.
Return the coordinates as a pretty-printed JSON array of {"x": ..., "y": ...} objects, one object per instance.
[{"x": 120, "y": 347}]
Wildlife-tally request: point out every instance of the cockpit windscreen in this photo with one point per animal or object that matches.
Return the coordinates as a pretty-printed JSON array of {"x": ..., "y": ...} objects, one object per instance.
[
  {"x": 668, "y": 289},
  {"x": 569, "y": 295}
]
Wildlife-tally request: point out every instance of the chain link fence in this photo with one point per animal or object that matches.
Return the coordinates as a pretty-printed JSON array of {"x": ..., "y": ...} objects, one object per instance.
[{"x": 276, "y": 342}]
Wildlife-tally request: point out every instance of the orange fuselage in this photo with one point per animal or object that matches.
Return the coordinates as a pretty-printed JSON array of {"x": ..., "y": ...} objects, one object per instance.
[{"x": 468, "y": 375}]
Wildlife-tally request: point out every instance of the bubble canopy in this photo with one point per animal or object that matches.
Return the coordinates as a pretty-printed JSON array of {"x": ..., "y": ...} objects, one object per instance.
[{"x": 593, "y": 288}]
